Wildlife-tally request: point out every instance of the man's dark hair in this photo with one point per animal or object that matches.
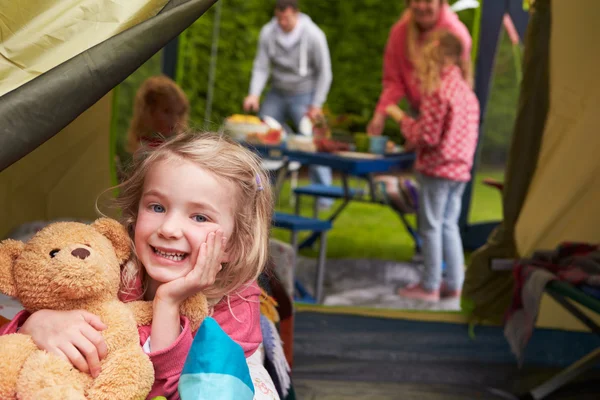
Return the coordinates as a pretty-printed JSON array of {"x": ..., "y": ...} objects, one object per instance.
[{"x": 282, "y": 5}]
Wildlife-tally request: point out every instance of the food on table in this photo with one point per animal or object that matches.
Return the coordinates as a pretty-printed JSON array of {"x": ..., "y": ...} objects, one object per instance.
[
  {"x": 390, "y": 147},
  {"x": 244, "y": 119},
  {"x": 251, "y": 129},
  {"x": 330, "y": 146},
  {"x": 273, "y": 136}
]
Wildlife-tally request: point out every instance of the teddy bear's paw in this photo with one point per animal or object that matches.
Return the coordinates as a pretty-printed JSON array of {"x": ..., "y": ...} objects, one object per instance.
[
  {"x": 195, "y": 308},
  {"x": 47, "y": 376},
  {"x": 142, "y": 311},
  {"x": 127, "y": 374}
]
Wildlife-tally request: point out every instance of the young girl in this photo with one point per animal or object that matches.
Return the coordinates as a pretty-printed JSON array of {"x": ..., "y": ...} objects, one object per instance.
[
  {"x": 198, "y": 209},
  {"x": 160, "y": 110},
  {"x": 444, "y": 138}
]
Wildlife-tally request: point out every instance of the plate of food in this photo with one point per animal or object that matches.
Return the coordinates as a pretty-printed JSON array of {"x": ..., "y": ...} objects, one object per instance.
[
  {"x": 239, "y": 126},
  {"x": 250, "y": 128}
]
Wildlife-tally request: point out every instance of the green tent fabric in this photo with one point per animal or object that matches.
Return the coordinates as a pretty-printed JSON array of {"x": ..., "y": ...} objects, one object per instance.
[
  {"x": 487, "y": 293},
  {"x": 56, "y": 150},
  {"x": 33, "y": 111}
]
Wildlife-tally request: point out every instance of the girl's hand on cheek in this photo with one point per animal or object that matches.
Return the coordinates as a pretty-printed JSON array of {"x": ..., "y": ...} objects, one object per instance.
[{"x": 202, "y": 276}]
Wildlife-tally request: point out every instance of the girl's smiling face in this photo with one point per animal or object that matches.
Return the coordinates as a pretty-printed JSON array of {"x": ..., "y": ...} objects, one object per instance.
[{"x": 181, "y": 204}]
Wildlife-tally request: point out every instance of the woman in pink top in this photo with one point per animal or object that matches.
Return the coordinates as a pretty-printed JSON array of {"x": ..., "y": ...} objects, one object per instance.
[
  {"x": 199, "y": 218},
  {"x": 406, "y": 37},
  {"x": 444, "y": 138}
]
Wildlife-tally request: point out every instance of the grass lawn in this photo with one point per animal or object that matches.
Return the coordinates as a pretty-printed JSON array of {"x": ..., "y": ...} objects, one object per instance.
[{"x": 375, "y": 232}]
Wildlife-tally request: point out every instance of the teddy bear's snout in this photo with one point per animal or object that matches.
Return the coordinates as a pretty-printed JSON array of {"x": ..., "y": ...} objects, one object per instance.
[{"x": 81, "y": 253}]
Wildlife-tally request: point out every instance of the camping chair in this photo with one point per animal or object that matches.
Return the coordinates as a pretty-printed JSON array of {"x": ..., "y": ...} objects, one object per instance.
[
  {"x": 401, "y": 194},
  {"x": 565, "y": 295}
]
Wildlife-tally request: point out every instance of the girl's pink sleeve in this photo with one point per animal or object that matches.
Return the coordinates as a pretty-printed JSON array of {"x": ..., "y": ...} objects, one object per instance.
[
  {"x": 426, "y": 131},
  {"x": 168, "y": 363},
  {"x": 240, "y": 318},
  {"x": 393, "y": 84},
  {"x": 15, "y": 323}
]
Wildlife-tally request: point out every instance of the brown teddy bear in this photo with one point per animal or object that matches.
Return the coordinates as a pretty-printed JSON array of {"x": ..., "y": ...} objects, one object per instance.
[{"x": 72, "y": 266}]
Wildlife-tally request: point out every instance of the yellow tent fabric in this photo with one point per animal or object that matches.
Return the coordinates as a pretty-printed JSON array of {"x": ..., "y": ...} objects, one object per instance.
[
  {"x": 63, "y": 177},
  {"x": 36, "y": 36},
  {"x": 562, "y": 201},
  {"x": 552, "y": 178}
]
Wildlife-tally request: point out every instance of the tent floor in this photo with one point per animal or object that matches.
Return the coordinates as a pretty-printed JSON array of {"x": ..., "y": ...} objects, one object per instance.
[
  {"x": 336, "y": 390},
  {"x": 367, "y": 283},
  {"x": 309, "y": 387},
  {"x": 350, "y": 357}
]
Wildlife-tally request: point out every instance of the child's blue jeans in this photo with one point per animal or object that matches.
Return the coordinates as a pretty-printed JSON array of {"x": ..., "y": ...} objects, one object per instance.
[{"x": 440, "y": 202}]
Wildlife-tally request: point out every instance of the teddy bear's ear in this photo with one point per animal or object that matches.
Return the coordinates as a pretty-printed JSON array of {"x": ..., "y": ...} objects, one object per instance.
[
  {"x": 10, "y": 250},
  {"x": 117, "y": 234}
]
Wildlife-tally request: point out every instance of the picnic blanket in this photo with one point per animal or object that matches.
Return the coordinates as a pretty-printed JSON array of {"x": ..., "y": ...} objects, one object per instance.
[{"x": 575, "y": 263}]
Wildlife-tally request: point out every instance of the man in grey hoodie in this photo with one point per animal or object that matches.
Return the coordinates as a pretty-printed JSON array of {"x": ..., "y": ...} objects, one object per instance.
[{"x": 294, "y": 51}]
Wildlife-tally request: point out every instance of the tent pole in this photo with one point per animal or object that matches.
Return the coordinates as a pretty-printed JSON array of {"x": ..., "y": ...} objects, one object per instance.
[
  {"x": 492, "y": 14},
  {"x": 213, "y": 65},
  {"x": 169, "y": 58}
]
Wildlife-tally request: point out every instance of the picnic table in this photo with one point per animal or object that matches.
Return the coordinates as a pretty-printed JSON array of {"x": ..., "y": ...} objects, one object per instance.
[{"x": 346, "y": 164}]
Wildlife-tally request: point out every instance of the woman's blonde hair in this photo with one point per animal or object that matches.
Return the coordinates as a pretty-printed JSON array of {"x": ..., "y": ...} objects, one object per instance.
[
  {"x": 441, "y": 46},
  {"x": 155, "y": 91},
  {"x": 248, "y": 245}
]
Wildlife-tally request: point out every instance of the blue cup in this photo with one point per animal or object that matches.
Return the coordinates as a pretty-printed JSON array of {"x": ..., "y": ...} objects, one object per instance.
[{"x": 377, "y": 144}]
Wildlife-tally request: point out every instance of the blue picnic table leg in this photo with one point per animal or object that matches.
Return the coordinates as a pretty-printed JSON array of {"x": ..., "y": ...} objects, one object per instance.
[
  {"x": 310, "y": 241},
  {"x": 303, "y": 295},
  {"x": 280, "y": 179}
]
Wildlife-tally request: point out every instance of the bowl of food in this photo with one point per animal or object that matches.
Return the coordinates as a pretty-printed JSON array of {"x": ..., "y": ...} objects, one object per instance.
[{"x": 240, "y": 126}]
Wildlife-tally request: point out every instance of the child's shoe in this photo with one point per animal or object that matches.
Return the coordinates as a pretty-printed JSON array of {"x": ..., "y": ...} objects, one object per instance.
[
  {"x": 446, "y": 293},
  {"x": 420, "y": 293}
]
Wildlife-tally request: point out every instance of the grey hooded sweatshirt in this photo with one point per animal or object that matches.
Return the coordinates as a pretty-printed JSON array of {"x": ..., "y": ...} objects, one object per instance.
[{"x": 299, "y": 61}]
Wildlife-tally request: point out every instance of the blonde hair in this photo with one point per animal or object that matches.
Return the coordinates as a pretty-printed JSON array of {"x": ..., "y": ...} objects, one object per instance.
[
  {"x": 228, "y": 160},
  {"x": 440, "y": 47},
  {"x": 155, "y": 91}
]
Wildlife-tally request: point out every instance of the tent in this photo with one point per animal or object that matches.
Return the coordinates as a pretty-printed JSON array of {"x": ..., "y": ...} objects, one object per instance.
[
  {"x": 59, "y": 63},
  {"x": 57, "y": 110},
  {"x": 552, "y": 188}
]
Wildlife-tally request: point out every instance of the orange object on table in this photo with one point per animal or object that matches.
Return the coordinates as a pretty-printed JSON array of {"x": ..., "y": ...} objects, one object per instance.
[{"x": 330, "y": 146}]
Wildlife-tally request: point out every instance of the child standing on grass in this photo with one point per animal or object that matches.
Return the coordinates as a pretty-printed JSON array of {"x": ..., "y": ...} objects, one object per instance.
[
  {"x": 444, "y": 138},
  {"x": 198, "y": 210}
]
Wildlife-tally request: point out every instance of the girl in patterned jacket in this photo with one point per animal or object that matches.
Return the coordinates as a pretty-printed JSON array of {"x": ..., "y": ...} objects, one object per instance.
[{"x": 444, "y": 137}]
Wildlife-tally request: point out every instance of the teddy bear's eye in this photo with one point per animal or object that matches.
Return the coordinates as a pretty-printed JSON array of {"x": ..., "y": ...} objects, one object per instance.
[{"x": 53, "y": 252}]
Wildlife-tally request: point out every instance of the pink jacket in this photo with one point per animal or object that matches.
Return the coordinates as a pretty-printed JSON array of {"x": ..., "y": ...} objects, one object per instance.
[
  {"x": 240, "y": 319},
  {"x": 445, "y": 134},
  {"x": 399, "y": 79}
]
